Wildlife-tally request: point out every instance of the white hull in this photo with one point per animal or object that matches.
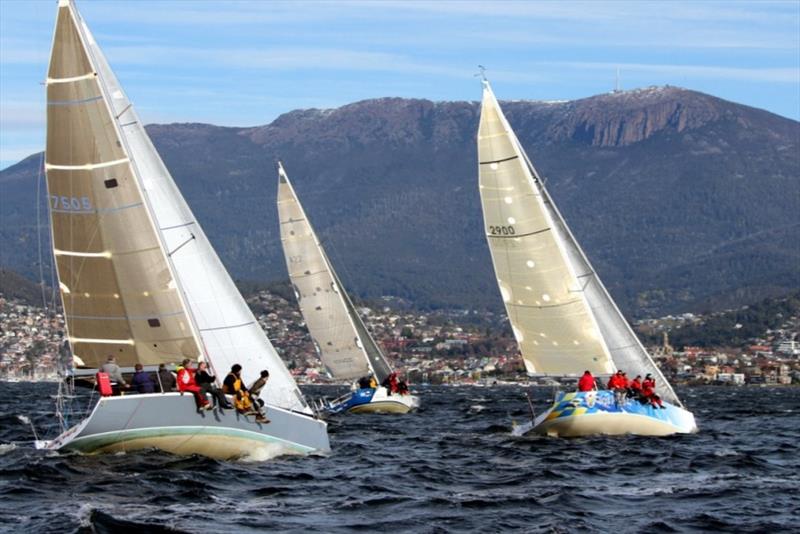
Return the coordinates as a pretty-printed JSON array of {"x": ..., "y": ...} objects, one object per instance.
[
  {"x": 367, "y": 400},
  {"x": 596, "y": 413},
  {"x": 170, "y": 422}
]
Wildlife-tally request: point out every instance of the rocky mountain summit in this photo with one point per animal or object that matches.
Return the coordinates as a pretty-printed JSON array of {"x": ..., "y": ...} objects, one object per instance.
[{"x": 681, "y": 200}]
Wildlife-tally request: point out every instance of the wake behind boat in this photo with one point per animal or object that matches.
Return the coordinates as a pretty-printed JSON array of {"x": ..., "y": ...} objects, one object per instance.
[
  {"x": 138, "y": 278},
  {"x": 563, "y": 318},
  {"x": 343, "y": 342}
]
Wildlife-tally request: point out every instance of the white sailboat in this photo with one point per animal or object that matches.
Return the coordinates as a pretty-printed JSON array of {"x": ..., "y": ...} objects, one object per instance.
[
  {"x": 139, "y": 279},
  {"x": 564, "y": 320},
  {"x": 343, "y": 342}
]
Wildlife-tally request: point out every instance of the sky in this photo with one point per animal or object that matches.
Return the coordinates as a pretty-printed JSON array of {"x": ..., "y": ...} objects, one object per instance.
[{"x": 246, "y": 63}]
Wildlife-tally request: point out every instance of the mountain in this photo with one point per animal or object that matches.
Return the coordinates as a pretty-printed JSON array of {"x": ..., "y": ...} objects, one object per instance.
[{"x": 682, "y": 201}]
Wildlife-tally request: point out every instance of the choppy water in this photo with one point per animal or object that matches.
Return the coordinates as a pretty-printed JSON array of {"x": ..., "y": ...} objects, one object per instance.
[{"x": 453, "y": 466}]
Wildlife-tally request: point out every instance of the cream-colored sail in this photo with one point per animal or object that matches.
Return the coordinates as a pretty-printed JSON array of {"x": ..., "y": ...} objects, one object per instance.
[
  {"x": 556, "y": 332},
  {"x": 205, "y": 304},
  {"x": 545, "y": 259},
  {"x": 119, "y": 295},
  {"x": 342, "y": 340}
]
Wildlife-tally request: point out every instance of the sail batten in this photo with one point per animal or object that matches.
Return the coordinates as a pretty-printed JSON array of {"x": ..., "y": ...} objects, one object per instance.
[
  {"x": 543, "y": 270},
  {"x": 345, "y": 346}
]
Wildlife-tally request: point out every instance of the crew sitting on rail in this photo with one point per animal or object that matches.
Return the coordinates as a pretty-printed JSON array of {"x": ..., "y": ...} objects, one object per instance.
[
  {"x": 208, "y": 384},
  {"x": 256, "y": 387},
  {"x": 242, "y": 401},
  {"x": 619, "y": 385},
  {"x": 649, "y": 393},
  {"x": 186, "y": 382},
  {"x": 363, "y": 382},
  {"x": 635, "y": 387},
  {"x": 402, "y": 387},
  {"x": 390, "y": 383}
]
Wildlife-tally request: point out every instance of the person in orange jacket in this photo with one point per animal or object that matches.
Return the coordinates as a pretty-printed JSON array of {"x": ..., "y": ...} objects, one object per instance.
[
  {"x": 586, "y": 382},
  {"x": 186, "y": 382}
]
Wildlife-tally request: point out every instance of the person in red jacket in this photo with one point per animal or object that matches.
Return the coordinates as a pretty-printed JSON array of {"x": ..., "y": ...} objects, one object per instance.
[
  {"x": 586, "y": 383},
  {"x": 635, "y": 387},
  {"x": 617, "y": 383},
  {"x": 186, "y": 382},
  {"x": 649, "y": 392}
]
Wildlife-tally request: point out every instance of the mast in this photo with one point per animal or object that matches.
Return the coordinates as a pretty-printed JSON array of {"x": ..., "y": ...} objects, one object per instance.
[
  {"x": 342, "y": 339},
  {"x": 592, "y": 309}
]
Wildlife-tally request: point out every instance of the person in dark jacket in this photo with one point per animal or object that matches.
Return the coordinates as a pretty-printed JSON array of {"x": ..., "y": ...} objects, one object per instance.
[
  {"x": 256, "y": 387},
  {"x": 166, "y": 379},
  {"x": 142, "y": 382},
  {"x": 207, "y": 383}
]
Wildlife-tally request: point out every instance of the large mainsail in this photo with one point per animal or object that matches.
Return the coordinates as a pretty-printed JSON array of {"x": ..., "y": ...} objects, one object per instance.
[
  {"x": 562, "y": 316},
  {"x": 345, "y": 346},
  {"x": 125, "y": 239}
]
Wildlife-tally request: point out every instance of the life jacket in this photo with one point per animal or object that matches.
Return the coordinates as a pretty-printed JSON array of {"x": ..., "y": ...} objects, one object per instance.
[
  {"x": 241, "y": 398},
  {"x": 104, "y": 384},
  {"x": 373, "y": 383}
]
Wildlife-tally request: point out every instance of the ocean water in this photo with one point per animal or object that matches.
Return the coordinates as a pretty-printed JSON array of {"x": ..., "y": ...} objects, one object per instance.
[{"x": 451, "y": 467}]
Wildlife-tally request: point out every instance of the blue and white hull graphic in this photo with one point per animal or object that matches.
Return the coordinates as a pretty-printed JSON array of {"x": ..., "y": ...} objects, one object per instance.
[
  {"x": 589, "y": 413},
  {"x": 369, "y": 400}
]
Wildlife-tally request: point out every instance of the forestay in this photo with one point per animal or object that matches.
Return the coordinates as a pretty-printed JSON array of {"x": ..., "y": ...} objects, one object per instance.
[
  {"x": 220, "y": 318},
  {"x": 119, "y": 295},
  {"x": 343, "y": 342},
  {"x": 567, "y": 294}
]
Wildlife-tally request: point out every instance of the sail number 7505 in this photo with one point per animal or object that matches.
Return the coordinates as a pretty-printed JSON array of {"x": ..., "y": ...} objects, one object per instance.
[
  {"x": 502, "y": 230},
  {"x": 70, "y": 203}
]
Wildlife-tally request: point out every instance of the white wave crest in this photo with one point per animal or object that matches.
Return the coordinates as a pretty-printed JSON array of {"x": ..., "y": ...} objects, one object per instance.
[
  {"x": 269, "y": 451},
  {"x": 6, "y": 448}
]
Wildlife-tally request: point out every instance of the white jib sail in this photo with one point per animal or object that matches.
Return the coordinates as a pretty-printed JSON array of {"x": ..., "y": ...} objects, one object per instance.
[
  {"x": 593, "y": 311},
  {"x": 227, "y": 329},
  {"x": 332, "y": 321}
]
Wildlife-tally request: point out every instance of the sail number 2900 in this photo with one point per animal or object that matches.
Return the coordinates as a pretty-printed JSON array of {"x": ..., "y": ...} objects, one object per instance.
[{"x": 501, "y": 230}]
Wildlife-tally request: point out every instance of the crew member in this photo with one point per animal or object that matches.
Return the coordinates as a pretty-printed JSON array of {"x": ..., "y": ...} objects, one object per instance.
[
  {"x": 586, "y": 382},
  {"x": 234, "y": 386},
  {"x": 186, "y": 382}
]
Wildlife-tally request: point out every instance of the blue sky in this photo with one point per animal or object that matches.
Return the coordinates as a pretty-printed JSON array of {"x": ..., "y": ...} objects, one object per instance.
[{"x": 245, "y": 63}]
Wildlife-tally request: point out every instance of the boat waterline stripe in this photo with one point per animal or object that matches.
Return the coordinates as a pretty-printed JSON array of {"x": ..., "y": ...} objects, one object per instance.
[
  {"x": 124, "y": 317},
  {"x": 102, "y": 341},
  {"x": 71, "y": 79},
  {"x": 74, "y": 102},
  {"x": 490, "y": 236},
  {"x": 146, "y": 432},
  {"x": 497, "y": 160},
  {"x": 226, "y": 327},
  {"x": 86, "y": 167},
  {"x": 58, "y": 252}
]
